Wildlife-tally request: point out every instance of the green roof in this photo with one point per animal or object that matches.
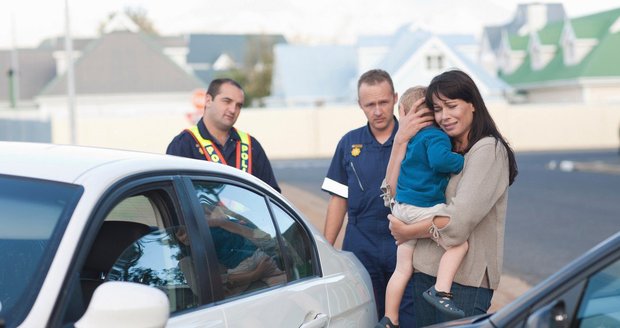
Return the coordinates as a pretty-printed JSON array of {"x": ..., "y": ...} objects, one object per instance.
[
  {"x": 551, "y": 33},
  {"x": 601, "y": 61},
  {"x": 596, "y": 25},
  {"x": 518, "y": 42}
]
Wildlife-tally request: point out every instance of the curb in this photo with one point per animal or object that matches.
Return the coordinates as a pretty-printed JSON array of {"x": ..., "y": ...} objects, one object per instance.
[{"x": 315, "y": 208}]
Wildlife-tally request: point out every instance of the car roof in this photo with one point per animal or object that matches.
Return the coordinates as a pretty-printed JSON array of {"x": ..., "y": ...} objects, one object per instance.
[{"x": 72, "y": 164}]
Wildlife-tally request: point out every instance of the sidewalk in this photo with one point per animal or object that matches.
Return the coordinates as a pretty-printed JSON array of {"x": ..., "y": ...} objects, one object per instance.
[{"x": 314, "y": 208}]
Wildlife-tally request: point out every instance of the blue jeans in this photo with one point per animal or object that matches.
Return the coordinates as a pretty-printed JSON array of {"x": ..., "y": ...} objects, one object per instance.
[{"x": 472, "y": 300}]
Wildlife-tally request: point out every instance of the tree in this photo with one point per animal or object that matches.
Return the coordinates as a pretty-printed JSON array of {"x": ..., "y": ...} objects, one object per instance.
[
  {"x": 255, "y": 74},
  {"x": 138, "y": 15}
]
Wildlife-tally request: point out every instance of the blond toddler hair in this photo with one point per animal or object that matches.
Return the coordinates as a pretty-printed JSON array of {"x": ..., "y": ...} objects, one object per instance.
[{"x": 410, "y": 96}]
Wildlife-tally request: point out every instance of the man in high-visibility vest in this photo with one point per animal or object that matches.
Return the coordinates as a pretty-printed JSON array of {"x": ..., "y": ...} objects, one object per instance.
[{"x": 215, "y": 139}]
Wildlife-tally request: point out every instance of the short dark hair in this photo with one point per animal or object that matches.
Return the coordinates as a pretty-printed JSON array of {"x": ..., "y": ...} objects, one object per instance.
[
  {"x": 375, "y": 76},
  {"x": 456, "y": 84},
  {"x": 215, "y": 85}
]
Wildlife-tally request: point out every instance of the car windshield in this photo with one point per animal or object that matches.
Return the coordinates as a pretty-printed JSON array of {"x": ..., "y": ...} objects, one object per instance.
[{"x": 33, "y": 216}]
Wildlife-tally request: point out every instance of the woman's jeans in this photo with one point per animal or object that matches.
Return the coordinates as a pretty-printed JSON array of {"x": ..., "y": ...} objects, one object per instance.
[{"x": 472, "y": 300}]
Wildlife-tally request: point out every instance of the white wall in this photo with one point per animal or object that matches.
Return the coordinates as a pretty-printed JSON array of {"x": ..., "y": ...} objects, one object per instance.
[{"x": 314, "y": 132}]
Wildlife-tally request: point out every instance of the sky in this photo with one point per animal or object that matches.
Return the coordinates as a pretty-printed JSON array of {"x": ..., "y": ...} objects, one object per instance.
[{"x": 26, "y": 23}]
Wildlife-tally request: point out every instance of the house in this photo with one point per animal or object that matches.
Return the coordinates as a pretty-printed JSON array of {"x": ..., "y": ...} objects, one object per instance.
[
  {"x": 210, "y": 55},
  {"x": 528, "y": 17},
  {"x": 416, "y": 55},
  {"x": 307, "y": 75},
  {"x": 312, "y": 75},
  {"x": 575, "y": 60}
]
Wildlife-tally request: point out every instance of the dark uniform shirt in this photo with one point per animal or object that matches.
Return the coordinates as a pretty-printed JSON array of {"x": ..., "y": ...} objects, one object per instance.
[
  {"x": 358, "y": 177},
  {"x": 355, "y": 173},
  {"x": 185, "y": 145}
]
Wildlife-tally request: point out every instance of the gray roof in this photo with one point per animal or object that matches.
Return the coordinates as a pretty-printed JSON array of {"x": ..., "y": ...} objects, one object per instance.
[
  {"x": 206, "y": 48},
  {"x": 313, "y": 73},
  {"x": 408, "y": 40},
  {"x": 58, "y": 43},
  {"x": 36, "y": 69},
  {"x": 555, "y": 12},
  {"x": 125, "y": 62}
]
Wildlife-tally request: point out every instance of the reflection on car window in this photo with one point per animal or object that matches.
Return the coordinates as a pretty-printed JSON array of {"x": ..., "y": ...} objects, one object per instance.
[
  {"x": 297, "y": 244},
  {"x": 34, "y": 216},
  {"x": 141, "y": 241},
  {"x": 160, "y": 259},
  {"x": 600, "y": 306},
  {"x": 244, "y": 236}
]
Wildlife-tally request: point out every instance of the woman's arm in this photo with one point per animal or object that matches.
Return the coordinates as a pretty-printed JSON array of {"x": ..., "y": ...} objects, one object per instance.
[
  {"x": 403, "y": 232},
  {"x": 484, "y": 181},
  {"x": 409, "y": 125}
]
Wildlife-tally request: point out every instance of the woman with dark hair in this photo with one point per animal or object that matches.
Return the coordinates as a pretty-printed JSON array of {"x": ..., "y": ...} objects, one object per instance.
[{"x": 476, "y": 199}]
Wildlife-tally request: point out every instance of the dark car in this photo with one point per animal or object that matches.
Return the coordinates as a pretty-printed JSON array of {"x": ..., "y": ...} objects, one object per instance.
[{"x": 585, "y": 293}]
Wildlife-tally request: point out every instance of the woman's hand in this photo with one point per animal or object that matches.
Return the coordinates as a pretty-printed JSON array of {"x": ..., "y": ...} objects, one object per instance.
[
  {"x": 412, "y": 122},
  {"x": 397, "y": 228},
  {"x": 403, "y": 232}
]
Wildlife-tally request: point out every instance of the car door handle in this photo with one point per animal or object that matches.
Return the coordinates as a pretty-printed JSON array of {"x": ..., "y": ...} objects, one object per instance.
[{"x": 319, "y": 320}]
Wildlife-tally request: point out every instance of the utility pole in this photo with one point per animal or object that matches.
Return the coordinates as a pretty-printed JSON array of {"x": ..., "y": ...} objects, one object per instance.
[
  {"x": 70, "y": 77},
  {"x": 14, "y": 71}
]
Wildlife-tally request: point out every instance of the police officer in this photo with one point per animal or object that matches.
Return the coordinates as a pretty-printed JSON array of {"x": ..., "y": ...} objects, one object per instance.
[
  {"x": 215, "y": 139},
  {"x": 353, "y": 181}
]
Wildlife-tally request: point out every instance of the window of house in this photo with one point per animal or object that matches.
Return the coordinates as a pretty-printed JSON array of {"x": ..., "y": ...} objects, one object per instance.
[{"x": 435, "y": 62}]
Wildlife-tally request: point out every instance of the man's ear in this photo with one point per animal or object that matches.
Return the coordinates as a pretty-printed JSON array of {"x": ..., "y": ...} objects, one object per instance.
[{"x": 208, "y": 100}]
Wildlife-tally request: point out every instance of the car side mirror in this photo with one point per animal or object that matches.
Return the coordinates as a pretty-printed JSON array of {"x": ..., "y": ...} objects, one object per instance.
[
  {"x": 126, "y": 304},
  {"x": 552, "y": 315}
]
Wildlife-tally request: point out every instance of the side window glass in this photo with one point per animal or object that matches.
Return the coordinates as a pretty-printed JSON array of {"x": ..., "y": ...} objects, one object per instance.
[
  {"x": 138, "y": 209},
  {"x": 140, "y": 241},
  {"x": 161, "y": 259},
  {"x": 244, "y": 236},
  {"x": 297, "y": 245},
  {"x": 600, "y": 304}
]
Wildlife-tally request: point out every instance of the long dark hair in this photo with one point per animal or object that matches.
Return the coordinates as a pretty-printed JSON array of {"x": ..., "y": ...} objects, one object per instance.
[{"x": 457, "y": 84}]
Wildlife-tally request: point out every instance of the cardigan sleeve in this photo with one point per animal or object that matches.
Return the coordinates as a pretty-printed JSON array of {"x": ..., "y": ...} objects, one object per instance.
[{"x": 484, "y": 180}]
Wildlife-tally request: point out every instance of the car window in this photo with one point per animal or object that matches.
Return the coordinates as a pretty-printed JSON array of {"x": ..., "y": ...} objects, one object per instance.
[
  {"x": 142, "y": 240},
  {"x": 33, "y": 217},
  {"x": 244, "y": 238},
  {"x": 298, "y": 247},
  {"x": 139, "y": 208},
  {"x": 161, "y": 259},
  {"x": 600, "y": 305}
]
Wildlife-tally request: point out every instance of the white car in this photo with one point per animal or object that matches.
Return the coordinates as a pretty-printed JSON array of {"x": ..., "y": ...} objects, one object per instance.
[{"x": 107, "y": 238}]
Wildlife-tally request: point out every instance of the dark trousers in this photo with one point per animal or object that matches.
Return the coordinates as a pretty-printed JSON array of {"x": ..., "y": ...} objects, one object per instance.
[
  {"x": 372, "y": 243},
  {"x": 472, "y": 300}
]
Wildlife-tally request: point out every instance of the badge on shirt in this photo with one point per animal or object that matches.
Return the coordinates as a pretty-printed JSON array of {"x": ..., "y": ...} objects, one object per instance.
[{"x": 356, "y": 149}]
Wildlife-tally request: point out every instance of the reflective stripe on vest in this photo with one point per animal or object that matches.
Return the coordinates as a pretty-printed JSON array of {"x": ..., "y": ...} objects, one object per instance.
[{"x": 212, "y": 154}]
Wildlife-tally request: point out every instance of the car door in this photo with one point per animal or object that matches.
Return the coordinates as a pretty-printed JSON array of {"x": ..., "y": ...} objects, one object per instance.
[
  {"x": 140, "y": 233},
  {"x": 268, "y": 274},
  {"x": 593, "y": 302}
]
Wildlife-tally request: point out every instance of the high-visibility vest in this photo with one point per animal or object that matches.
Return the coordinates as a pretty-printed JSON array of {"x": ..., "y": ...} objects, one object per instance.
[{"x": 212, "y": 154}]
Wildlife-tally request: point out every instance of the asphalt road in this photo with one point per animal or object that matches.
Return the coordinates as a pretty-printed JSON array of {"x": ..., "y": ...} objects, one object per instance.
[{"x": 553, "y": 215}]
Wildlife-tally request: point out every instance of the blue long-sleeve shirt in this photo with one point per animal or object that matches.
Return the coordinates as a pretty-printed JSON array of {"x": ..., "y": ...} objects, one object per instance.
[{"x": 426, "y": 168}]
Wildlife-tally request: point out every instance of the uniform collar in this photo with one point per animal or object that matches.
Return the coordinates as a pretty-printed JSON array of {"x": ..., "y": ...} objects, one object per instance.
[
  {"x": 369, "y": 138},
  {"x": 204, "y": 132}
]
